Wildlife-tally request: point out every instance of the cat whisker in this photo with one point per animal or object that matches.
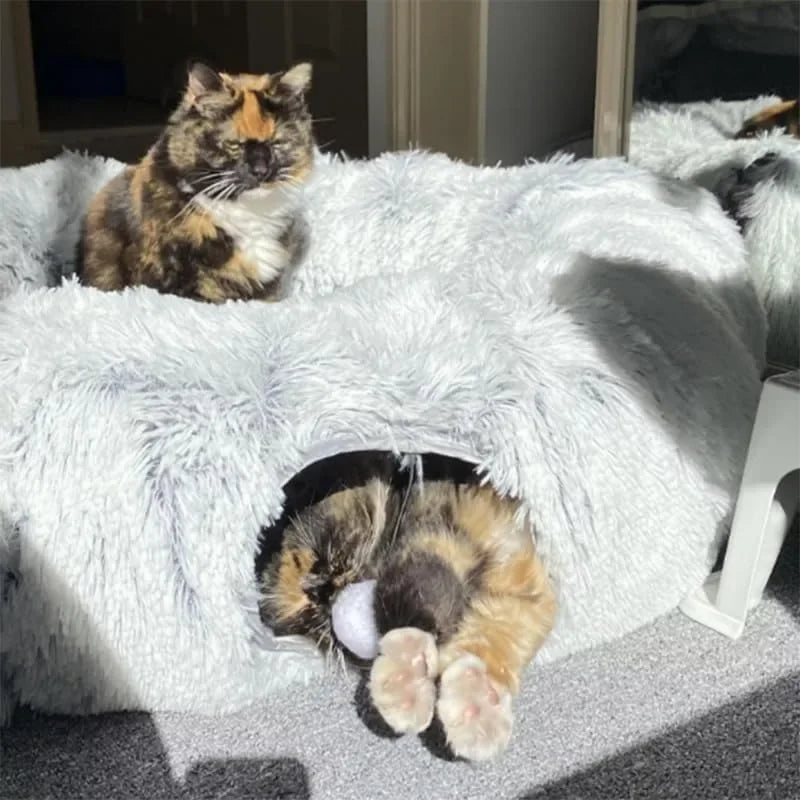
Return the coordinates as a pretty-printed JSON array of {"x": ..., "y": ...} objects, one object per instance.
[
  {"x": 210, "y": 193},
  {"x": 230, "y": 190},
  {"x": 192, "y": 203},
  {"x": 288, "y": 181},
  {"x": 219, "y": 190},
  {"x": 341, "y": 662},
  {"x": 210, "y": 176},
  {"x": 185, "y": 211},
  {"x": 334, "y": 658},
  {"x": 221, "y": 181}
]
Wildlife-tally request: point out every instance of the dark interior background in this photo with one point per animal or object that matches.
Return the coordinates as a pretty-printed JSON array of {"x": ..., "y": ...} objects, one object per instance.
[{"x": 110, "y": 65}]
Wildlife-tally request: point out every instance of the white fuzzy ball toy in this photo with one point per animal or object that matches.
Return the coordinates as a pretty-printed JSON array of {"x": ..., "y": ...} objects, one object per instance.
[{"x": 353, "y": 619}]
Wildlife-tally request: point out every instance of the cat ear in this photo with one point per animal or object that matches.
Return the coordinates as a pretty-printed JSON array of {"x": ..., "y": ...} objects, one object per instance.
[
  {"x": 296, "y": 80},
  {"x": 202, "y": 80}
]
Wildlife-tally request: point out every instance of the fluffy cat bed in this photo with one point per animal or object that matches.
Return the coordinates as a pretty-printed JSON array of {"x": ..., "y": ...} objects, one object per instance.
[
  {"x": 694, "y": 142},
  {"x": 585, "y": 333}
]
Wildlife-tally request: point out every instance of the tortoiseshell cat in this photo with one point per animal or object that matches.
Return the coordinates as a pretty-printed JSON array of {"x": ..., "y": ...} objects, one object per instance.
[
  {"x": 734, "y": 185},
  {"x": 210, "y": 213},
  {"x": 462, "y": 602},
  {"x": 785, "y": 114}
]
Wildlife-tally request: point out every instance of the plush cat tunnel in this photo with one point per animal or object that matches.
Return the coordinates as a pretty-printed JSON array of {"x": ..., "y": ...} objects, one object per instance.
[{"x": 584, "y": 333}]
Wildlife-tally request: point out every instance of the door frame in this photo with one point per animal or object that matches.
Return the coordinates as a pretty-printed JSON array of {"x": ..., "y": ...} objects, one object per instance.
[
  {"x": 20, "y": 138},
  {"x": 404, "y": 73},
  {"x": 616, "y": 42},
  {"x": 414, "y": 50},
  {"x": 616, "y": 47}
]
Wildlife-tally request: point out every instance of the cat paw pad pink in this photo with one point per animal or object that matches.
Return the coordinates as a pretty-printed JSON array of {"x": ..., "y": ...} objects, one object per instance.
[
  {"x": 402, "y": 679},
  {"x": 474, "y": 710}
]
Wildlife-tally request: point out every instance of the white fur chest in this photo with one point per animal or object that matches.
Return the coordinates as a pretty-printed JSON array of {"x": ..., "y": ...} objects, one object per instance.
[{"x": 257, "y": 220}]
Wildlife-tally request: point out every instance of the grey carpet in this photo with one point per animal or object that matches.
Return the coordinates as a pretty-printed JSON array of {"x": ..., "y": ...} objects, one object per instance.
[{"x": 673, "y": 711}]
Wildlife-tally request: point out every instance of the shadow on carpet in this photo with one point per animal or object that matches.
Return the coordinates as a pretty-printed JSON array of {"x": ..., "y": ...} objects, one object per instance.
[
  {"x": 137, "y": 767},
  {"x": 746, "y": 748}
]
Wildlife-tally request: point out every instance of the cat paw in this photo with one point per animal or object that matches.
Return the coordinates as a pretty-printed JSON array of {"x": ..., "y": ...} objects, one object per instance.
[
  {"x": 402, "y": 679},
  {"x": 474, "y": 710}
]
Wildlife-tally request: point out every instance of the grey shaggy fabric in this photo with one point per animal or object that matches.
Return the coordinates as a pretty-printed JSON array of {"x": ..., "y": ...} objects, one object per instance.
[
  {"x": 584, "y": 332},
  {"x": 757, "y": 180}
]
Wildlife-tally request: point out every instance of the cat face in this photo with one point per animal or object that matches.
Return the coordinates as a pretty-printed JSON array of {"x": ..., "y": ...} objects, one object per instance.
[
  {"x": 324, "y": 548},
  {"x": 234, "y": 133}
]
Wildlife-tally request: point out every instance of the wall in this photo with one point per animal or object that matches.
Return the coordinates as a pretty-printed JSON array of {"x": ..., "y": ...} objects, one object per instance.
[
  {"x": 540, "y": 81},
  {"x": 333, "y": 36},
  {"x": 19, "y": 134},
  {"x": 9, "y": 91}
]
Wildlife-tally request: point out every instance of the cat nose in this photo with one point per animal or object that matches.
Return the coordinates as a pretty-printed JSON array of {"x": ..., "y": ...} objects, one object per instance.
[{"x": 261, "y": 164}]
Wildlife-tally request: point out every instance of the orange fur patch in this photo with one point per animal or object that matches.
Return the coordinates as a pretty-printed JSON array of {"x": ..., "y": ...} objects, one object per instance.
[
  {"x": 774, "y": 111},
  {"x": 458, "y": 553},
  {"x": 779, "y": 115},
  {"x": 198, "y": 226},
  {"x": 140, "y": 177},
  {"x": 238, "y": 272},
  {"x": 508, "y": 622},
  {"x": 485, "y": 516},
  {"x": 295, "y": 565},
  {"x": 515, "y": 609},
  {"x": 250, "y": 123}
]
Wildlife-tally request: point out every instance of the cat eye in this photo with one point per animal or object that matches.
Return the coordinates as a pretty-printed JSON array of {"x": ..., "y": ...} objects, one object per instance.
[
  {"x": 318, "y": 588},
  {"x": 268, "y": 103}
]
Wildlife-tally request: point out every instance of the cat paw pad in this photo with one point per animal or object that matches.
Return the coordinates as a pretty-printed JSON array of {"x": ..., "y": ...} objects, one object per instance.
[
  {"x": 402, "y": 679},
  {"x": 475, "y": 711}
]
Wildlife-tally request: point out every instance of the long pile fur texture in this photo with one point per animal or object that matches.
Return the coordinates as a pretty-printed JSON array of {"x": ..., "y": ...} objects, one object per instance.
[
  {"x": 695, "y": 142},
  {"x": 585, "y": 333}
]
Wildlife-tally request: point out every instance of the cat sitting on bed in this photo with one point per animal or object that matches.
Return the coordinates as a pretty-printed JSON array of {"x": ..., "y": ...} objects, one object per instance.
[
  {"x": 211, "y": 212},
  {"x": 462, "y": 602}
]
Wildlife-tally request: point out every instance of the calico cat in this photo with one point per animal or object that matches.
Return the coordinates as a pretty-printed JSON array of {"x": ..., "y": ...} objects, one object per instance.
[
  {"x": 211, "y": 212},
  {"x": 785, "y": 114},
  {"x": 462, "y": 601}
]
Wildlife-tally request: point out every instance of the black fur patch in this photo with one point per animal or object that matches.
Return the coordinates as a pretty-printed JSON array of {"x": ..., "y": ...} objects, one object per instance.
[
  {"x": 736, "y": 189},
  {"x": 420, "y": 590}
]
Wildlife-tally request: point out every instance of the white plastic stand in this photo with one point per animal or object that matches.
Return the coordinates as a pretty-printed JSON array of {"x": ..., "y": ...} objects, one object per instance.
[{"x": 768, "y": 501}]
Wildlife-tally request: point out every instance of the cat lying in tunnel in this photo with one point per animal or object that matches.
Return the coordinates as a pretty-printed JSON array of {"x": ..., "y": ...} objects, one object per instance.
[{"x": 462, "y": 602}]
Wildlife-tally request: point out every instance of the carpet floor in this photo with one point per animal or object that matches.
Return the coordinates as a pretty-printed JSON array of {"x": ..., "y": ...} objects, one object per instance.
[{"x": 672, "y": 711}]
